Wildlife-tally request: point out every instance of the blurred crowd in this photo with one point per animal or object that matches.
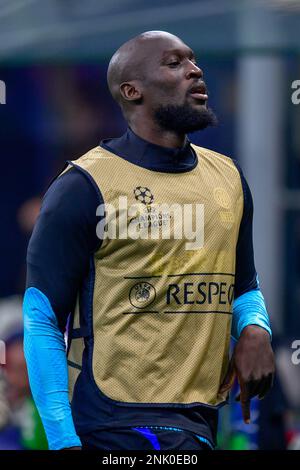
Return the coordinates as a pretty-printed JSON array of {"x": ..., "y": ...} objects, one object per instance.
[{"x": 20, "y": 424}]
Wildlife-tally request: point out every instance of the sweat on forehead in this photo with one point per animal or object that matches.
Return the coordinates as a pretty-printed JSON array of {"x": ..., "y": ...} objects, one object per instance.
[{"x": 127, "y": 63}]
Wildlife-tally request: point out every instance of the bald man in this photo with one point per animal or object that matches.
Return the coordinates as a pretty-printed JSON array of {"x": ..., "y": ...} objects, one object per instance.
[{"x": 149, "y": 304}]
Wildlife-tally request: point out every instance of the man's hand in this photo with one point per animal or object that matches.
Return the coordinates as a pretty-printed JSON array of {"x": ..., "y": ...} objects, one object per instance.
[{"x": 254, "y": 365}]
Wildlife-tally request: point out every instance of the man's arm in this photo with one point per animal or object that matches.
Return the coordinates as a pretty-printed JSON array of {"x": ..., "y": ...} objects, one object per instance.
[
  {"x": 252, "y": 360},
  {"x": 45, "y": 354},
  {"x": 57, "y": 260}
]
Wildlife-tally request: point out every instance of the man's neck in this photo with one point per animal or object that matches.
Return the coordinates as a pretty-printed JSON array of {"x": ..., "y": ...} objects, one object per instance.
[{"x": 158, "y": 136}]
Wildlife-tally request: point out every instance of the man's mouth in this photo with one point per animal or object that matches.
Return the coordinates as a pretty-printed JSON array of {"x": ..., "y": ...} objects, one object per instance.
[{"x": 199, "y": 92}]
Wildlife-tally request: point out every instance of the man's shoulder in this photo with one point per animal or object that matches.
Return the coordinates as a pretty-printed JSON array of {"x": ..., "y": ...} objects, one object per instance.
[
  {"x": 209, "y": 152},
  {"x": 216, "y": 157},
  {"x": 94, "y": 155},
  {"x": 71, "y": 186}
]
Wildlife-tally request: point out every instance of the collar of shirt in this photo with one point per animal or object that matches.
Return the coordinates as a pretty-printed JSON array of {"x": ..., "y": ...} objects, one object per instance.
[{"x": 136, "y": 150}]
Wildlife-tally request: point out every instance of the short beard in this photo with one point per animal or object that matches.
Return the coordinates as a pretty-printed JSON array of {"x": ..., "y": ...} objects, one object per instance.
[{"x": 183, "y": 118}]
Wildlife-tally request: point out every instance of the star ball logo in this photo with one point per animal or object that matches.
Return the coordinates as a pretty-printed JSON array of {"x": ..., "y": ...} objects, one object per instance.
[
  {"x": 2, "y": 92},
  {"x": 143, "y": 195}
]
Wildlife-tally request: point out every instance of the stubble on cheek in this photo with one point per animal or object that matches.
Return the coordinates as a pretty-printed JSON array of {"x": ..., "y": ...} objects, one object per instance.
[{"x": 169, "y": 95}]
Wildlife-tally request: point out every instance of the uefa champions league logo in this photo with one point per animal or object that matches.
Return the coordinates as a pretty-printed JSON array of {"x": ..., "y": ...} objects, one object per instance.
[{"x": 145, "y": 219}]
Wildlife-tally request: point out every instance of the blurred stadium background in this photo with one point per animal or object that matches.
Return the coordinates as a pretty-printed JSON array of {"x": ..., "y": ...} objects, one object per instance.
[{"x": 53, "y": 60}]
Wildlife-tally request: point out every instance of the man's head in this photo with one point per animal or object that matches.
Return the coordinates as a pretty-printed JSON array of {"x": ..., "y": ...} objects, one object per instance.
[{"x": 155, "y": 75}]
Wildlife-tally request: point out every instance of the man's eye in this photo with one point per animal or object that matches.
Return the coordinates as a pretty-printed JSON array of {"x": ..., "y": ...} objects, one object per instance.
[{"x": 174, "y": 63}]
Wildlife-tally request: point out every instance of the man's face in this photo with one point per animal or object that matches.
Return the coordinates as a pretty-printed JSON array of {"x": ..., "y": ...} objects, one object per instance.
[{"x": 173, "y": 90}]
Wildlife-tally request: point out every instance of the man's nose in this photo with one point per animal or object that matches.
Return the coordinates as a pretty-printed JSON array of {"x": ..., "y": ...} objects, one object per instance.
[{"x": 194, "y": 71}]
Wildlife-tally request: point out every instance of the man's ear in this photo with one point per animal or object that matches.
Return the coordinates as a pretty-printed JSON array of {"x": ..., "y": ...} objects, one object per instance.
[{"x": 130, "y": 91}]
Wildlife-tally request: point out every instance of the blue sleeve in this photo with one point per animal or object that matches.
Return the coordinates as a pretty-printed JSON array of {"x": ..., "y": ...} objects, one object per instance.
[
  {"x": 249, "y": 306},
  {"x": 45, "y": 353},
  {"x": 63, "y": 240},
  {"x": 249, "y": 309},
  {"x": 245, "y": 272}
]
